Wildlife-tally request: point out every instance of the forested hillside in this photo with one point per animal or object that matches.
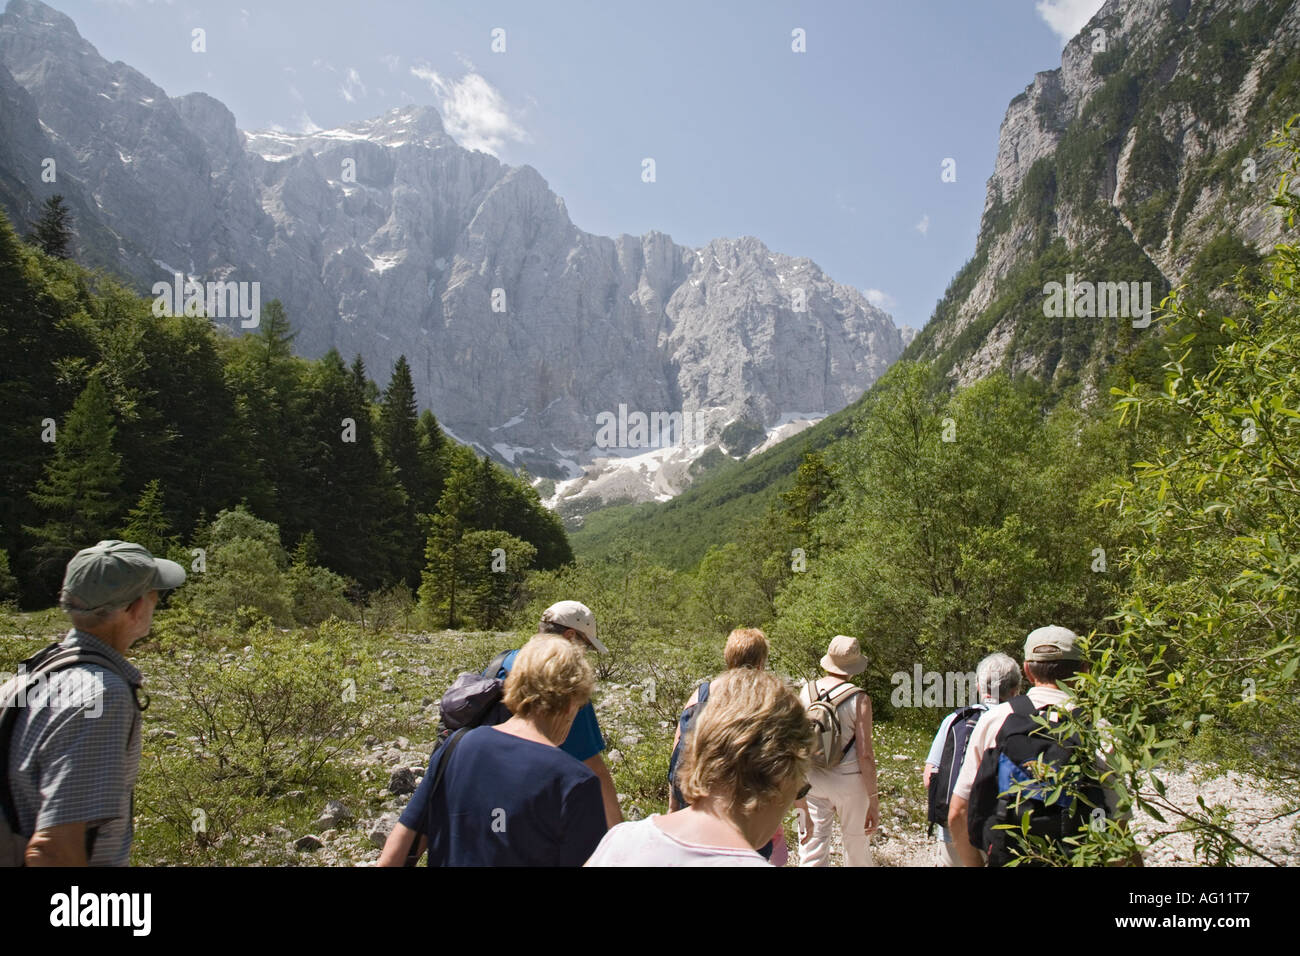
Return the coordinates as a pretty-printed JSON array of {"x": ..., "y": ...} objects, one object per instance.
[
  {"x": 123, "y": 423},
  {"x": 944, "y": 523}
]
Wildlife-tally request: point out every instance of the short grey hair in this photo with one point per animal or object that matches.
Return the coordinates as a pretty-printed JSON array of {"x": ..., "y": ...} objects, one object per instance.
[
  {"x": 83, "y": 617},
  {"x": 998, "y": 678}
]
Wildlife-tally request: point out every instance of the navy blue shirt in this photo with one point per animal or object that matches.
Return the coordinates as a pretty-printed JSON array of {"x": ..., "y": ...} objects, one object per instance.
[
  {"x": 585, "y": 739},
  {"x": 506, "y": 801}
]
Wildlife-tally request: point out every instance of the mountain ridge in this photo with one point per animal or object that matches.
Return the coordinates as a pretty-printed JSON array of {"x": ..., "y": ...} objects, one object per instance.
[{"x": 384, "y": 237}]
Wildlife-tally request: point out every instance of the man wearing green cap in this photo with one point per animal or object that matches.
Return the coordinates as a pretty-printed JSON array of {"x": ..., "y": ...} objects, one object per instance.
[{"x": 72, "y": 766}]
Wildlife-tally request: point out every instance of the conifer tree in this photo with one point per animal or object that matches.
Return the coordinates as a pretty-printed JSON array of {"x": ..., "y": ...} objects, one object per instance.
[
  {"x": 433, "y": 451},
  {"x": 80, "y": 495},
  {"x": 147, "y": 522},
  {"x": 53, "y": 232},
  {"x": 399, "y": 428}
]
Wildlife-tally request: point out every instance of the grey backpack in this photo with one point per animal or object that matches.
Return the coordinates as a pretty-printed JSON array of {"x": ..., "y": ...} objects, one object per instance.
[
  {"x": 824, "y": 714},
  {"x": 13, "y": 698}
]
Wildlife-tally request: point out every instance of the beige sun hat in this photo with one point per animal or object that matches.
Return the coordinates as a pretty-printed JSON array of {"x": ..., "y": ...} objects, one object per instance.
[{"x": 844, "y": 656}]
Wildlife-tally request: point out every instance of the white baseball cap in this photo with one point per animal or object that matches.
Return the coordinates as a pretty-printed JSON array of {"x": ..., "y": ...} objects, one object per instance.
[{"x": 576, "y": 615}]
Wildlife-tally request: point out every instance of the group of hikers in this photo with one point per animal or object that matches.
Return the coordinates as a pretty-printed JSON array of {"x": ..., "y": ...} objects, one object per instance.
[{"x": 517, "y": 777}]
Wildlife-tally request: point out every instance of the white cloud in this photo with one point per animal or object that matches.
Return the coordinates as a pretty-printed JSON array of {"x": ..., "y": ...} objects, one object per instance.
[
  {"x": 392, "y": 61},
  {"x": 924, "y": 225},
  {"x": 1067, "y": 17},
  {"x": 881, "y": 300},
  {"x": 473, "y": 111},
  {"x": 352, "y": 88}
]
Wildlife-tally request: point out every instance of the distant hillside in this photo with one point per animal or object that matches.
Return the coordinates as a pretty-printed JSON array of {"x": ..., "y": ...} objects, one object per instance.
[{"x": 677, "y": 533}]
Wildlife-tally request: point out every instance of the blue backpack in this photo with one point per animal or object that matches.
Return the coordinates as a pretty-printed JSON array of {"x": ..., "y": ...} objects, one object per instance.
[{"x": 683, "y": 724}]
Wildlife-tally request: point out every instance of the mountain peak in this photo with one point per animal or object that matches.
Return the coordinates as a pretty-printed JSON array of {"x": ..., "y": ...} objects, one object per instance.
[{"x": 35, "y": 15}]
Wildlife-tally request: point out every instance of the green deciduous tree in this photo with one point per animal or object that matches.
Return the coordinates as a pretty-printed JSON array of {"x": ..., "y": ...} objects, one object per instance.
[
  {"x": 958, "y": 524},
  {"x": 1207, "y": 650}
]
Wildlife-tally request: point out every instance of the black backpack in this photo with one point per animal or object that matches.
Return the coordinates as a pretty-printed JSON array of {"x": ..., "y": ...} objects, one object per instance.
[
  {"x": 473, "y": 700},
  {"x": 1022, "y": 742},
  {"x": 55, "y": 657},
  {"x": 942, "y": 781},
  {"x": 684, "y": 723}
]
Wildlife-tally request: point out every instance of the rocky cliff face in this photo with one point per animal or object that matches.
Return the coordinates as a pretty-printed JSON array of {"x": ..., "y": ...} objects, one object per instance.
[
  {"x": 387, "y": 238},
  {"x": 1123, "y": 164}
]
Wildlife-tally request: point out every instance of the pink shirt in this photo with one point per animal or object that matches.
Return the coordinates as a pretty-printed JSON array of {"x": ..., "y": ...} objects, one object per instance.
[{"x": 642, "y": 843}]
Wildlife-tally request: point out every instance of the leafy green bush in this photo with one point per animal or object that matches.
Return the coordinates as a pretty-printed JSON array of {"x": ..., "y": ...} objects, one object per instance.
[
  {"x": 317, "y": 595},
  {"x": 249, "y": 728}
]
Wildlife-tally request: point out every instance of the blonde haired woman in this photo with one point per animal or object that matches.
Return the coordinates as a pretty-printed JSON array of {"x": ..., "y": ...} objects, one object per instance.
[
  {"x": 745, "y": 760},
  {"x": 509, "y": 796}
]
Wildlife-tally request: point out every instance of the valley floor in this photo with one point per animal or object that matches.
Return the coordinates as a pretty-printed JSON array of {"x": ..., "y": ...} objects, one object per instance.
[{"x": 341, "y": 818}]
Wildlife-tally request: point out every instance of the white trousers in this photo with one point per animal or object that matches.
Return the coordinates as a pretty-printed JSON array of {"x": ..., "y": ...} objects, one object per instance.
[{"x": 837, "y": 793}]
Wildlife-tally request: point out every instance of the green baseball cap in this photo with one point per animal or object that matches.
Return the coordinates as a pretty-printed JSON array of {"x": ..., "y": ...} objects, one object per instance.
[
  {"x": 1052, "y": 643},
  {"x": 115, "y": 573}
]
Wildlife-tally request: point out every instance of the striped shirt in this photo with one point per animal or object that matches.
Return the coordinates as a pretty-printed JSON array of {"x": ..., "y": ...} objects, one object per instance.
[{"x": 75, "y": 752}]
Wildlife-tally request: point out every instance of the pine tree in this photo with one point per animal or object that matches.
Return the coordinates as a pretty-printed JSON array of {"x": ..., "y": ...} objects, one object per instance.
[
  {"x": 356, "y": 509},
  {"x": 53, "y": 230},
  {"x": 440, "y": 584},
  {"x": 399, "y": 428},
  {"x": 147, "y": 522},
  {"x": 80, "y": 495},
  {"x": 433, "y": 451},
  {"x": 35, "y": 339}
]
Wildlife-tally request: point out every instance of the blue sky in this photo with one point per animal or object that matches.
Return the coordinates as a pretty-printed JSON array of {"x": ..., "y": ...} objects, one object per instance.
[{"x": 834, "y": 153}]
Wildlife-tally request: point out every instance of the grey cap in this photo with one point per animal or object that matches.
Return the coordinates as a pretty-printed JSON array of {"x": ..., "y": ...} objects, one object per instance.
[
  {"x": 1052, "y": 643},
  {"x": 115, "y": 573}
]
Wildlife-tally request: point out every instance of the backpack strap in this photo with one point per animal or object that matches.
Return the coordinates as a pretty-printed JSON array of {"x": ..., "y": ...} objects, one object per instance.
[
  {"x": 704, "y": 694},
  {"x": 494, "y": 668},
  {"x": 1022, "y": 706},
  {"x": 50, "y": 659},
  {"x": 830, "y": 699},
  {"x": 447, "y": 749}
]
